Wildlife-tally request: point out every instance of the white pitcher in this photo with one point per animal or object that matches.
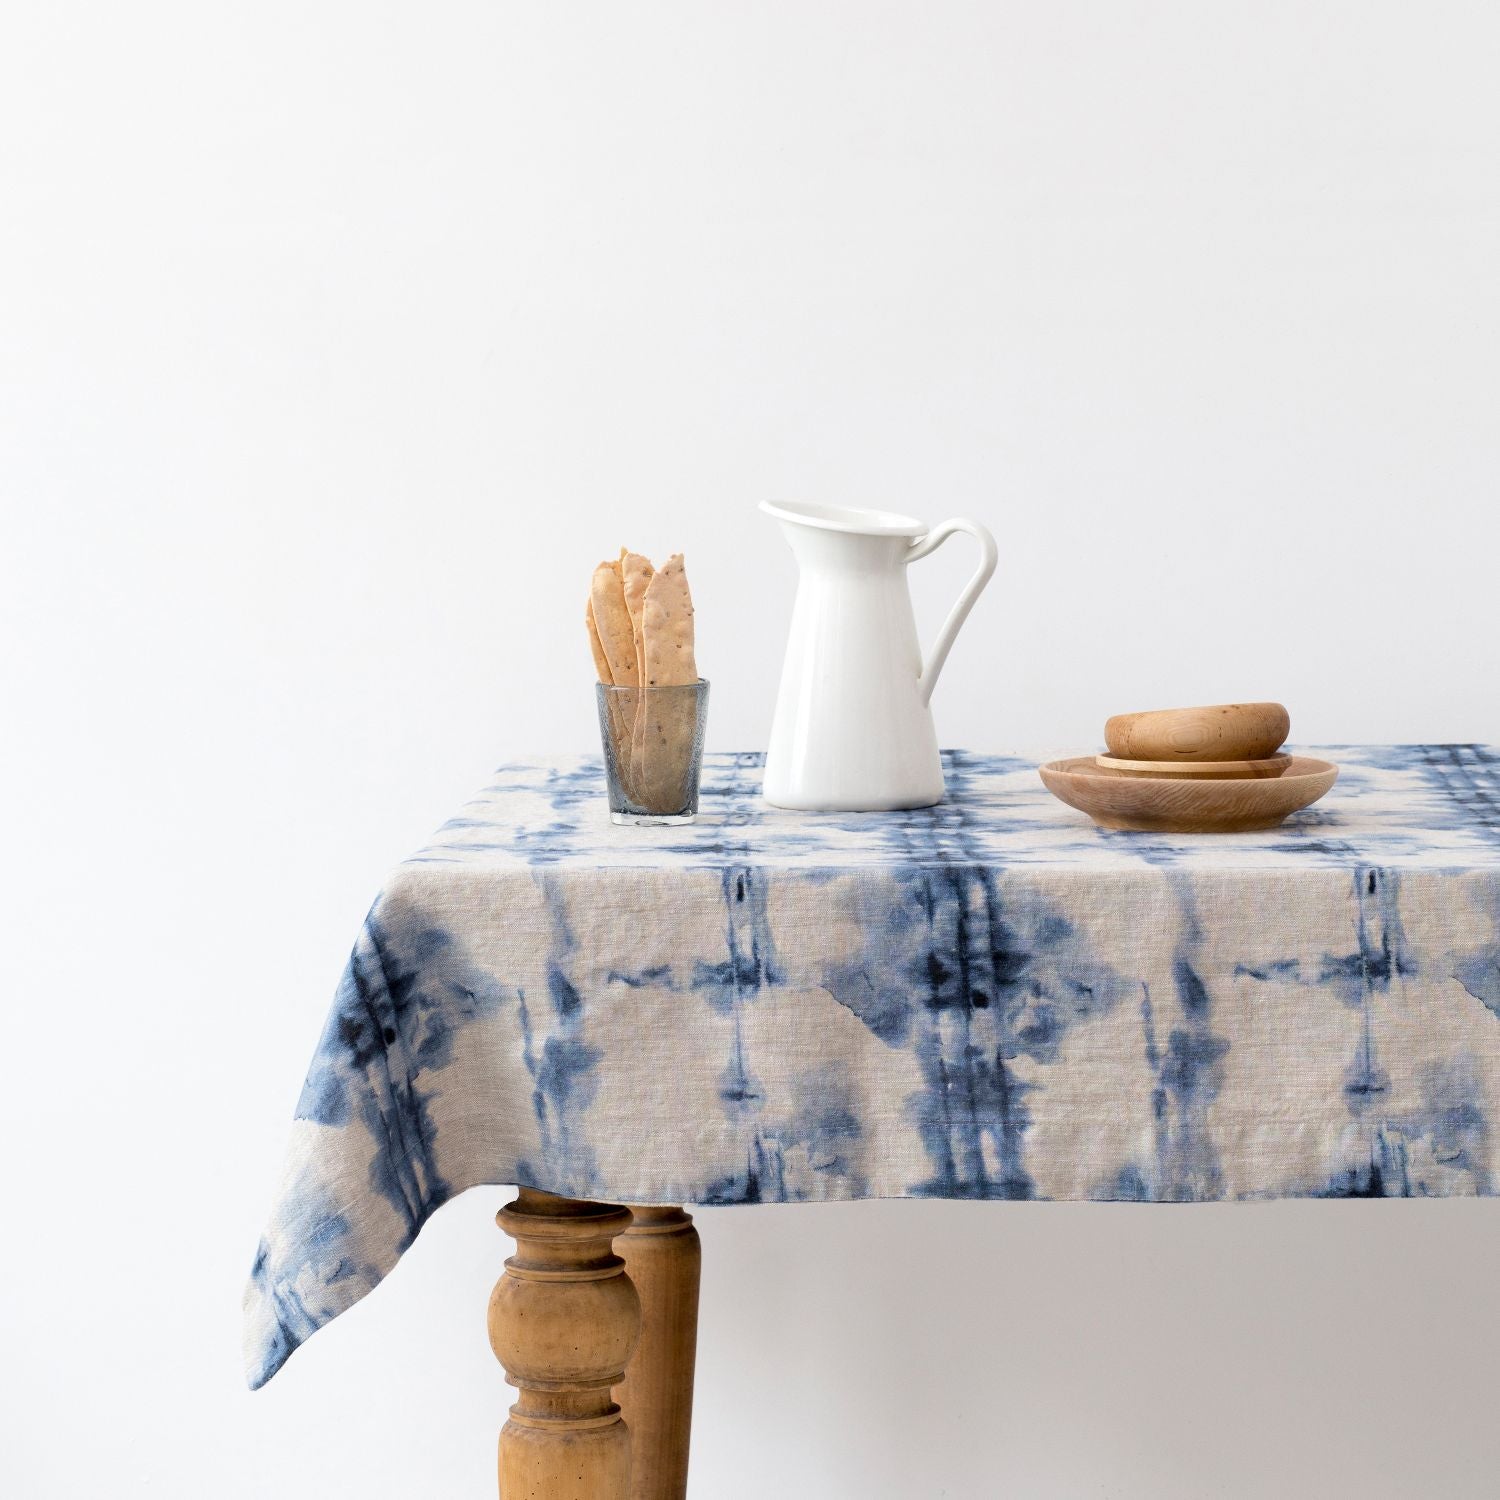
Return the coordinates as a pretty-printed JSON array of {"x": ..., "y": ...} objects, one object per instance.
[{"x": 853, "y": 731}]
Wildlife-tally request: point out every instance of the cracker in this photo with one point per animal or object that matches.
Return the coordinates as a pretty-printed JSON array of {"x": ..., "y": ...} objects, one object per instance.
[
  {"x": 612, "y": 621},
  {"x": 635, "y": 575},
  {"x": 667, "y": 622},
  {"x": 601, "y": 661},
  {"x": 666, "y": 723}
]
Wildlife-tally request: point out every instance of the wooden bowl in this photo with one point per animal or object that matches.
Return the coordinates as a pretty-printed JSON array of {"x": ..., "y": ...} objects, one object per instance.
[
  {"x": 1222, "y": 731},
  {"x": 1215, "y": 770},
  {"x": 1162, "y": 804}
]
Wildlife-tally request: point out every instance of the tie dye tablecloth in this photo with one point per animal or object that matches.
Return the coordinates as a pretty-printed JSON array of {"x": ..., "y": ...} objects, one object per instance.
[{"x": 986, "y": 999}]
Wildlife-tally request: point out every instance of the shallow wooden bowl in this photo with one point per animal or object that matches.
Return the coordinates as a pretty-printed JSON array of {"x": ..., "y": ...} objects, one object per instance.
[
  {"x": 1215, "y": 770},
  {"x": 1180, "y": 804},
  {"x": 1221, "y": 731}
]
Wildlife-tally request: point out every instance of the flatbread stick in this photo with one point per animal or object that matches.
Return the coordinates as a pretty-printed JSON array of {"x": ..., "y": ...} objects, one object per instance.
[
  {"x": 667, "y": 721},
  {"x": 635, "y": 574},
  {"x": 611, "y": 625},
  {"x": 601, "y": 661},
  {"x": 612, "y": 621},
  {"x": 667, "y": 615}
]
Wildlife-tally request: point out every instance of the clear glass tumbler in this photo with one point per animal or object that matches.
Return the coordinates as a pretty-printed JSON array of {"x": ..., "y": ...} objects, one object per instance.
[{"x": 653, "y": 750}]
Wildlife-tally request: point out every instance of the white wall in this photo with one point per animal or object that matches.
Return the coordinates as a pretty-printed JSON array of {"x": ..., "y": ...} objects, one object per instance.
[{"x": 338, "y": 341}]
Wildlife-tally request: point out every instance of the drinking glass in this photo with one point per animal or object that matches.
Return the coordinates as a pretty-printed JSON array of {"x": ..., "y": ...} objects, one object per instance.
[{"x": 653, "y": 750}]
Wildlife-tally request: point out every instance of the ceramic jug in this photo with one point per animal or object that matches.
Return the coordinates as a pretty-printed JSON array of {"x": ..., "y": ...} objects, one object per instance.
[{"x": 853, "y": 731}]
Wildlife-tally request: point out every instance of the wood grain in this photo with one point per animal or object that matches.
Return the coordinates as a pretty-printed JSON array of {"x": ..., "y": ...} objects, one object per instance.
[
  {"x": 1218, "y": 770},
  {"x": 1149, "y": 804},
  {"x": 563, "y": 1321},
  {"x": 1221, "y": 731},
  {"x": 664, "y": 1259}
]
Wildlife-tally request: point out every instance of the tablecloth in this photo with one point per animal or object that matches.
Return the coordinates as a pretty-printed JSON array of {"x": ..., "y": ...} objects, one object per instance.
[{"x": 990, "y": 998}]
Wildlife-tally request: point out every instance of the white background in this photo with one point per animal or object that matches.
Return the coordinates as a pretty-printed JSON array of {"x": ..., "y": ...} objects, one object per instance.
[{"x": 338, "y": 341}]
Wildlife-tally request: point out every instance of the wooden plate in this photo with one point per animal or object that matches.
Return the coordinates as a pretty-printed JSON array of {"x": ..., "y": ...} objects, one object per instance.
[
  {"x": 1218, "y": 770},
  {"x": 1176, "y": 804}
]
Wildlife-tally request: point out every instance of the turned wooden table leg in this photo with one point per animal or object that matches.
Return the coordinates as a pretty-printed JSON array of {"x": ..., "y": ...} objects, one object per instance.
[
  {"x": 563, "y": 1322},
  {"x": 663, "y": 1258}
]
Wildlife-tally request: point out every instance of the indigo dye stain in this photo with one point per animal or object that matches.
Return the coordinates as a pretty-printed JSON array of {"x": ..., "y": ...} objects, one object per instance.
[
  {"x": 991, "y": 983},
  {"x": 750, "y": 959},
  {"x": 882, "y": 1004},
  {"x": 1189, "y": 1071},
  {"x": 1479, "y": 974},
  {"x": 565, "y": 999},
  {"x": 1451, "y": 1123},
  {"x": 971, "y": 985},
  {"x": 1371, "y": 1179},
  {"x": 790, "y": 1159},
  {"x": 563, "y": 1064},
  {"x": 740, "y": 1093},
  {"x": 1417, "y": 1153},
  {"x": 409, "y": 989},
  {"x": 1380, "y": 958},
  {"x": 1469, "y": 777},
  {"x": 565, "y": 1076},
  {"x": 1133, "y": 1182},
  {"x": 1449, "y": 1127},
  {"x": 750, "y": 965},
  {"x": 654, "y": 976},
  {"x": 1365, "y": 1084},
  {"x": 1191, "y": 991},
  {"x": 322, "y": 1283},
  {"x": 1126, "y": 1186}
]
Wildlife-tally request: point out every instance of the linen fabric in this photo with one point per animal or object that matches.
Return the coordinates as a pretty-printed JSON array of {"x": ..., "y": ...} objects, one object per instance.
[{"x": 990, "y": 998}]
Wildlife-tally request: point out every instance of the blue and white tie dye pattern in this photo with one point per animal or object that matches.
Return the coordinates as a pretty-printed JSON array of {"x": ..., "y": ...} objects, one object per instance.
[{"x": 986, "y": 999}]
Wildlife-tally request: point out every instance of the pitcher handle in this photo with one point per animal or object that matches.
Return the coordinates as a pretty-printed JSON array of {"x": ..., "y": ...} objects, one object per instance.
[{"x": 960, "y": 611}]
